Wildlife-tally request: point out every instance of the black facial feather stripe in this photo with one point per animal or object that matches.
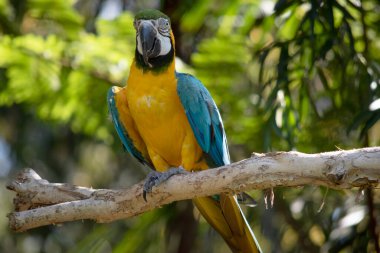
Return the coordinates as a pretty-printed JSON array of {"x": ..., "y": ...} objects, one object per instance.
[
  {"x": 165, "y": 35},
  {"x": 159, "y": 63}
]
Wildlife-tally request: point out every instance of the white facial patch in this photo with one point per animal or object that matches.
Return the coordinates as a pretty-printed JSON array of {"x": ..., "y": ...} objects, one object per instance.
[
  {"x": 139, "y": 47},
  {"x": 165, "y": 44}
]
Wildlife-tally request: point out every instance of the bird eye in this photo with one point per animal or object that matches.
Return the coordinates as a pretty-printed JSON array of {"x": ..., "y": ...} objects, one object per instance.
[{"x": 163, "y": 24}]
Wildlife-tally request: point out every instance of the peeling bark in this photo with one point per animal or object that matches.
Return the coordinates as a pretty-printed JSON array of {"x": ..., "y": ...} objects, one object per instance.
[{"x": 39, "y": 203}]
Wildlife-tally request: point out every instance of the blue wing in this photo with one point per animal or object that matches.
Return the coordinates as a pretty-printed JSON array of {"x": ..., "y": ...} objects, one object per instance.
[
  {"x": 204, "y": 118},
  {"x": 131, "y": 140}
]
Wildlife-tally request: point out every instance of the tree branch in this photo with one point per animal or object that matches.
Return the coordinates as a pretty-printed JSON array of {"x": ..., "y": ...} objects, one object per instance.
[{"x": 39, "y": 203}]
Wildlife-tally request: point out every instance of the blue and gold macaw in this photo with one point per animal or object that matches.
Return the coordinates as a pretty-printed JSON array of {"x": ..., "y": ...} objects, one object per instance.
[{"x": 169, "y": 120}]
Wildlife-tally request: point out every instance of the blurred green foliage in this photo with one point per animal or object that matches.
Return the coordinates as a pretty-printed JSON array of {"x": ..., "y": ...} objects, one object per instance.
[{"x": 287, "y": 75}]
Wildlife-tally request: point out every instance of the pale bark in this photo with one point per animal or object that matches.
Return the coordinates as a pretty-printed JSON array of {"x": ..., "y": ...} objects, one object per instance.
[{"x": 39, "y": 203}]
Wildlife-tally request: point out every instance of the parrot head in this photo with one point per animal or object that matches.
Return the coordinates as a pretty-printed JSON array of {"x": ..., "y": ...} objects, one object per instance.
[{"x": 154, "y": 39}]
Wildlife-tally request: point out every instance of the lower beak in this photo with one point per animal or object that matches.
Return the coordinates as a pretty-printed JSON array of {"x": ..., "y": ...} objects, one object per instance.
[{"x": 150, "y": 44}]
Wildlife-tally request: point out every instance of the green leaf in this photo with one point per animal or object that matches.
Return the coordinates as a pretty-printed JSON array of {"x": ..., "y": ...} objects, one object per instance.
[{"x": 344, "y": 11}]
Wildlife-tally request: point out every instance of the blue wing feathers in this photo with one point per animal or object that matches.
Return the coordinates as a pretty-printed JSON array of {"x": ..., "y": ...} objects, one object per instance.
[
  {"x": 121, "y": 131},
  {"x": 204, "y": 118}
]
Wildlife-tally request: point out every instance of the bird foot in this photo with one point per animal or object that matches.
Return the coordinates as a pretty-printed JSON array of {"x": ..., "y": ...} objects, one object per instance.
[{"x": 155, "y": 178}]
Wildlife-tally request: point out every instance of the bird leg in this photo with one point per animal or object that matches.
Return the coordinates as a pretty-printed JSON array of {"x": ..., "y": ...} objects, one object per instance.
[{"x": 155, "y": 178}]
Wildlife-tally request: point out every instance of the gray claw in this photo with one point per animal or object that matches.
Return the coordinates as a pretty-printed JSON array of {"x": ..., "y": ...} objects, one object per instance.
[{"x": 155, "y": 178}]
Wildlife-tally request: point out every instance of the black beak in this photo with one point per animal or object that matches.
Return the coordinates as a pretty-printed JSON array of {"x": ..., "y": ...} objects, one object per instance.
[{"x": 151, "y": 46}]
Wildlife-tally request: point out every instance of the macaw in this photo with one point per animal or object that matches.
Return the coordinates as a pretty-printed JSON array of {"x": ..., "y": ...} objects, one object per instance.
[{"x": 169, "y": 122}]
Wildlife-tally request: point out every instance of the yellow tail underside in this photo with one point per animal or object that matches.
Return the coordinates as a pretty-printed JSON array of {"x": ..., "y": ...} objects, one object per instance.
[{"x": 226, "y": 218}]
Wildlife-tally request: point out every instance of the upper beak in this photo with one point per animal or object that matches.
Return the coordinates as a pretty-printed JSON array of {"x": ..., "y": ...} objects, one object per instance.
[{"x": 151, "y": 46}]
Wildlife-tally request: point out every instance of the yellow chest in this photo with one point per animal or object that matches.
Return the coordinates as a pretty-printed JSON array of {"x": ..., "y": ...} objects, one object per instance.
[
  {"x": 153, "y": 96},
  {"x": 158, "y": 113}
]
